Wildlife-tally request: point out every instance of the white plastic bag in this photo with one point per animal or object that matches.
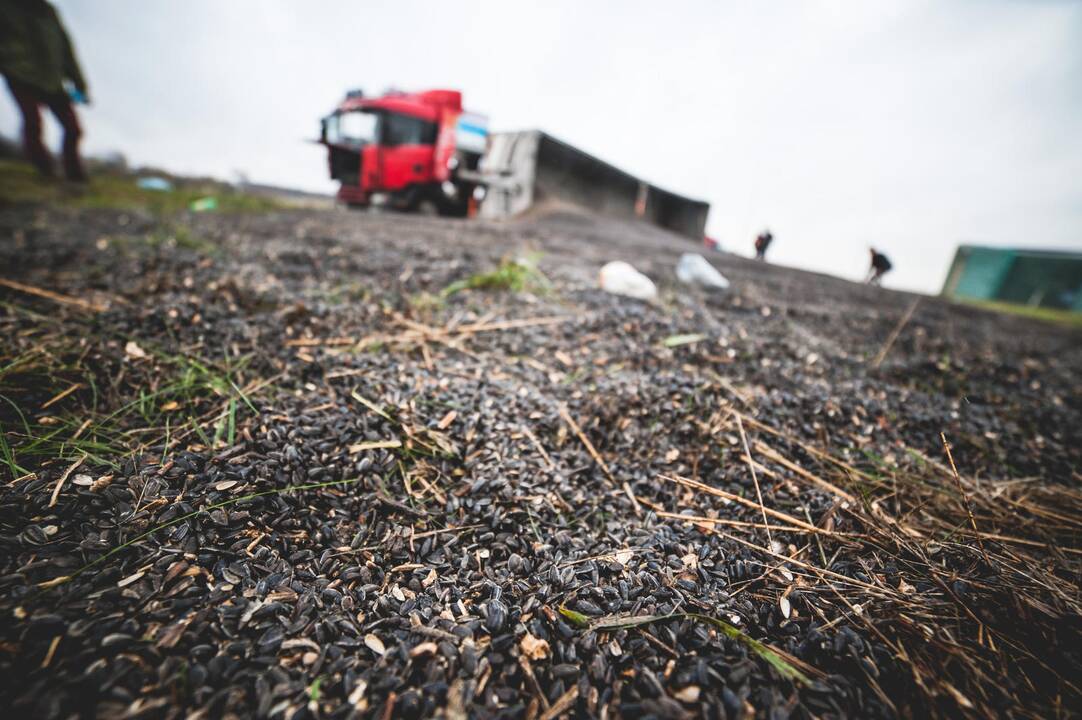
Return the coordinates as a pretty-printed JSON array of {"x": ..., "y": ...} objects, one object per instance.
[
  {"x": 619, "y": 278},
  {"x": 696, "y": 269}
]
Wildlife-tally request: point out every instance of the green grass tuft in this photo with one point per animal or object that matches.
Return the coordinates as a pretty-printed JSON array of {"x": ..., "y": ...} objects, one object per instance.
[
  {"x": 313, "y": 689},
  {"x": 185, "y": 394},
  {"x": 613, "y": 623},
  {"x": 513, "y": 275},
  {"x": 1052, "y": 315},
  {"x": 21, "y": 185}
]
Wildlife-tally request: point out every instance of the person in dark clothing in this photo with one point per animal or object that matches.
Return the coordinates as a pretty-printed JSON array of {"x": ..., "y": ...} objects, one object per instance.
[
  {"x": 880, "y": 266},
  {"x": 37, "y": 61},
  {"x": 762, "y": 244}
]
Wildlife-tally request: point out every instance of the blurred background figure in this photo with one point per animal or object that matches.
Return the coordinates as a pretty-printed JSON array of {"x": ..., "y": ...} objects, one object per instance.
[
  {"x": 880, "y": 266},
  {"x": 38, "y": 62},
  {"x": 762, "y": 244}
]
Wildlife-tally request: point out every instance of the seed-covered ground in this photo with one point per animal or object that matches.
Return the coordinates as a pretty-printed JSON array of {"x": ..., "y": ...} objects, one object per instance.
[{"x": 305, "y": 463}]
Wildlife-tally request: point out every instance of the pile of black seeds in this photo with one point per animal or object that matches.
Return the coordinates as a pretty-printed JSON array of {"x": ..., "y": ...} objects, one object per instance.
[{"x": 320, "y": 487}]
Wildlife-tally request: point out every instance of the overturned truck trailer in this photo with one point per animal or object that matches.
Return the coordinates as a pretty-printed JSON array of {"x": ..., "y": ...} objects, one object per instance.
[{"x": 525, "y": 168}]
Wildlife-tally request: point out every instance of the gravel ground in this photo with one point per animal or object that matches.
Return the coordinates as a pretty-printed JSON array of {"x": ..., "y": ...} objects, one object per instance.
[{"x": 262, "y": 465}]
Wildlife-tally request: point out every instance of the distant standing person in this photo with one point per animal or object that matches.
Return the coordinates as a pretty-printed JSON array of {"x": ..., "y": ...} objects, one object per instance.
[
  {"x": 762, "y": 244},
  {"x": 880, "y": 266},
  {"x": 37, "y": 59}
]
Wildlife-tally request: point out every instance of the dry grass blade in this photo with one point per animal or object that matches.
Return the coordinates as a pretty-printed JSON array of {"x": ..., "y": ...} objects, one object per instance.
[
  {"x": 60, "y": 481},
  {"x": 61, "y": 395},
  {"x": 773, "y": 455},
  {"x": 879, "y": 591},
  {"x": 511, "y": 324},
  {"x": 419, "y": 332},
  {"x": 54, "y": 296},
  {"x": 893, "y": 337},
  {"x": 537, "y": 444},
  {"x": 743, "y": 501},
  {"x": 565, "y": 415},
  {"x": 965, "y": 498},
  {"x": 563, "y": 704},
  {"x": 740, "y": 523},
  {"x": 754, "y": 477}
]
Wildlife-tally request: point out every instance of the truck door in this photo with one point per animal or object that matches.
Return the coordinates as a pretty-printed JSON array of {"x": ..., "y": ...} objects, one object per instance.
[
  {"x": 406, "y": 149},
  {"x": 351, "y": 137},
  {"x": 372, "y": 168}
]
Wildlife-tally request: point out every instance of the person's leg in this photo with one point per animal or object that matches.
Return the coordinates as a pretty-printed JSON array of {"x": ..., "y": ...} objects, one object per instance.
[
  {"x": 28, "y": 101},
  {"x": 65, "y": 114}
]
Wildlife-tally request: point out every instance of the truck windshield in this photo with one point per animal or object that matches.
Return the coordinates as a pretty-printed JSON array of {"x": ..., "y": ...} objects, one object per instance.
[
  {"x": 406, "y": 130},
  {"x": 354, "y": 128}
]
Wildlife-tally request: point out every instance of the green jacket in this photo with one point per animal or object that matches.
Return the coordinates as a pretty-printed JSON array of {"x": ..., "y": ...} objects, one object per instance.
[{"x": 35, "y": 49}]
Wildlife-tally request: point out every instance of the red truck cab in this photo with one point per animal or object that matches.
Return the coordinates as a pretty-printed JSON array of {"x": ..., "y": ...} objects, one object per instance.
[{"x": 404, "y": 150}]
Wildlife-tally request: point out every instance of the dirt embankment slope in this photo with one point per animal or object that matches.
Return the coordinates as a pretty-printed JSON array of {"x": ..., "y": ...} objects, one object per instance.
[{"x": 269, "y": 464}]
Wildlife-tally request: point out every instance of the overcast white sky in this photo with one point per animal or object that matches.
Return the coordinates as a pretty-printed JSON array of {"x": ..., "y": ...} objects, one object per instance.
[{"x": 910, "y": 125}]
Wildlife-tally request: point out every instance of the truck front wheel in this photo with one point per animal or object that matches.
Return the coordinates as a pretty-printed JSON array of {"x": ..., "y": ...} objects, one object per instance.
[
  {"x": 459, "y": 205},
  {"x": 427, "y": 207}
]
